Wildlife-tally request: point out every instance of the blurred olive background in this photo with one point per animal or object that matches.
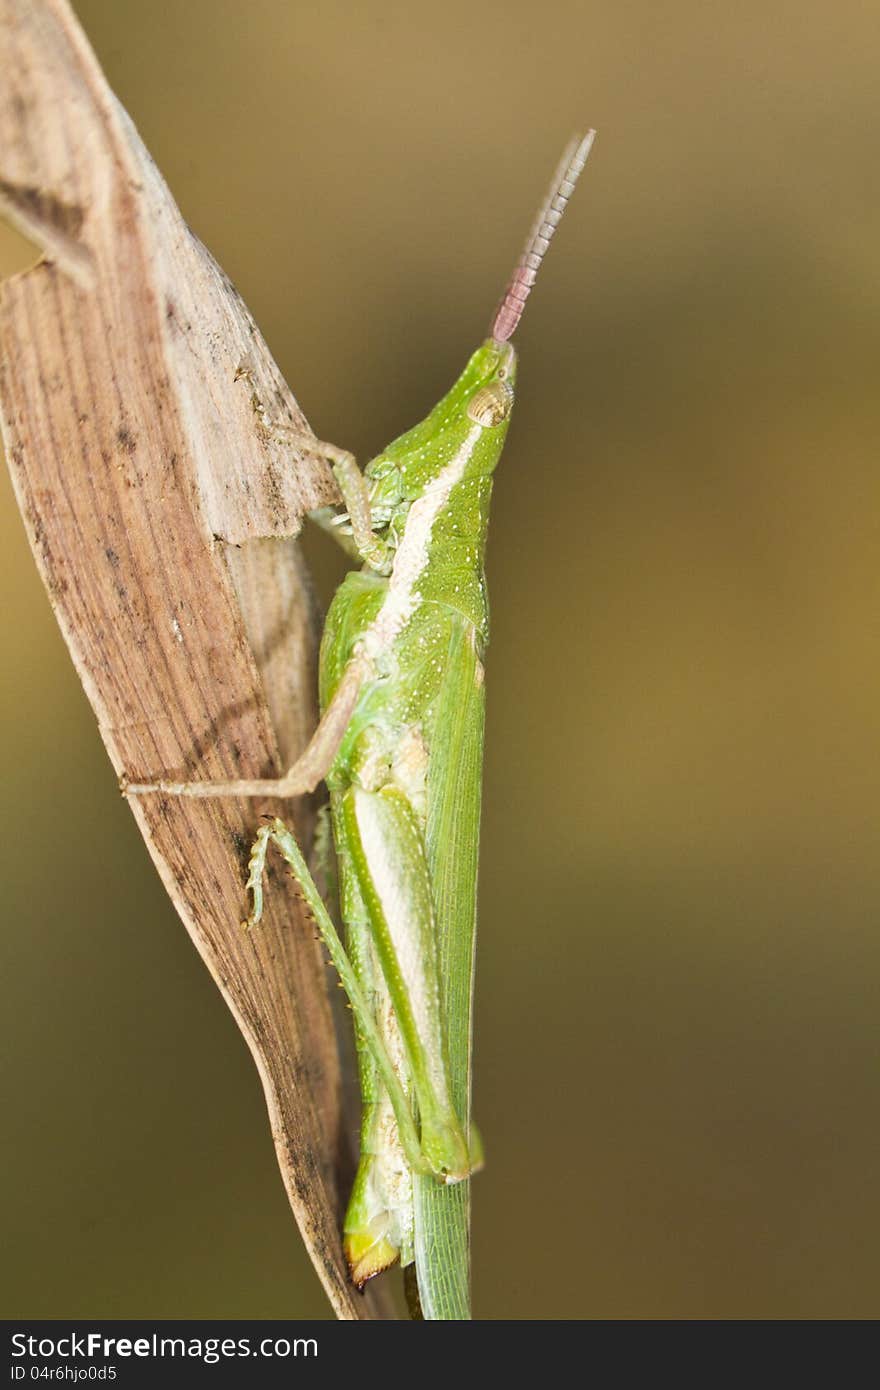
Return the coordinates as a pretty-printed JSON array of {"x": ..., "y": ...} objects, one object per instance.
[{"x": 678, "y": 1038}]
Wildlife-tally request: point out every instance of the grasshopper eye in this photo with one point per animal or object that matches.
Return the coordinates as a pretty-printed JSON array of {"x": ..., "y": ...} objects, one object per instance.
[{"x": 491, "y": 404}]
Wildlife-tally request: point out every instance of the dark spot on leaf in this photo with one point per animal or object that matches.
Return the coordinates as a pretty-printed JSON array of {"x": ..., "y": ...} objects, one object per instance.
[{"x": 40, "y": 206}]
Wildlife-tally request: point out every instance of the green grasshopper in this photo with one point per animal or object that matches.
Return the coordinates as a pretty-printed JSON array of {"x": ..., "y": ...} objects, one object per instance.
[{"x": 400, "y": 744}]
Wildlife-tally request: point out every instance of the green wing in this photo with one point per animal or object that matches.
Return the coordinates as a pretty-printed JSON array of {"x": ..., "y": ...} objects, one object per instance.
[{"x": 455, "y": 738}]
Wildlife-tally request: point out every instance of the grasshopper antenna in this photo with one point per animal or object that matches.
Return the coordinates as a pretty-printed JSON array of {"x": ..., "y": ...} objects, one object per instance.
[{"x": 509, "y": 311}]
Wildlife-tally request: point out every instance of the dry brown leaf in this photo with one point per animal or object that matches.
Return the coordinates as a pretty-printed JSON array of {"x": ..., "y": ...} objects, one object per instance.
[{"x": 139, "y": 409}]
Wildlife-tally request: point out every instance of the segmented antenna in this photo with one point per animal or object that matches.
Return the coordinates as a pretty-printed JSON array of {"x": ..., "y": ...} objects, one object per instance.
[{"x": 509, "y": 311}]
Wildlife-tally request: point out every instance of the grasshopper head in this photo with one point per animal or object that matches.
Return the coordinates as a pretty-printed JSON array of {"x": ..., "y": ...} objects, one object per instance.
[{"x": 482, "y": 395}]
